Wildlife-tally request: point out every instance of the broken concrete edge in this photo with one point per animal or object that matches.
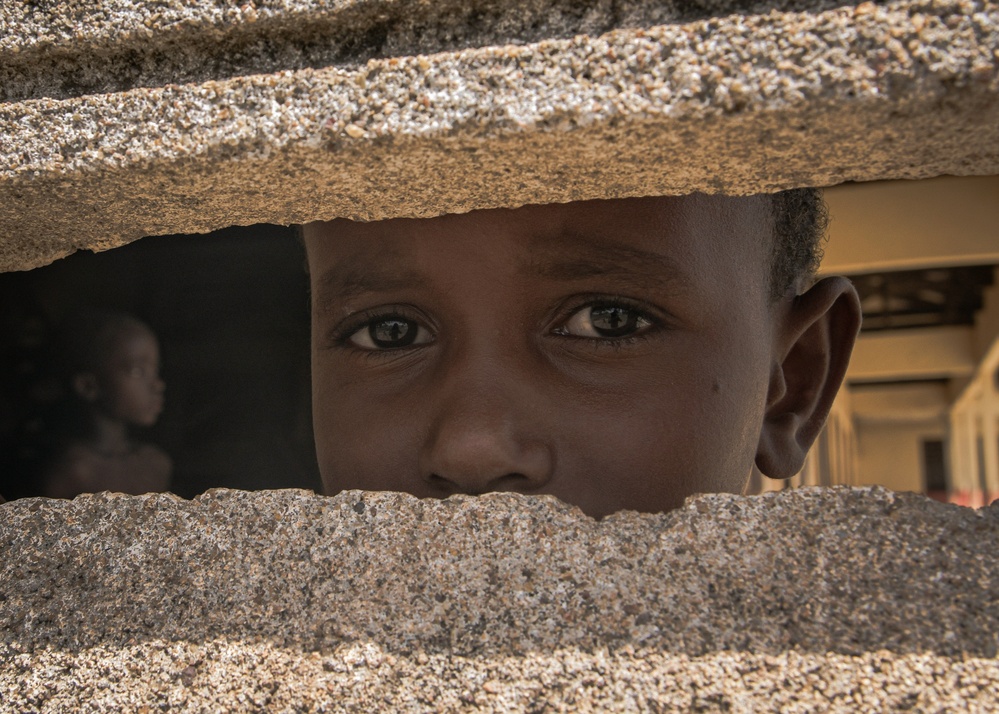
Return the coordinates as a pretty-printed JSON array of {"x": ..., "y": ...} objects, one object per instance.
[
  {"x": 880, "y": 499},
  {"x": 832, "y": 97},
  {"x": 817, "y": 570}
]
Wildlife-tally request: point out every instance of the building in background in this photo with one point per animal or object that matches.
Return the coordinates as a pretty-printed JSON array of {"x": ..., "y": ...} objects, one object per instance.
[{"x": 919, "y": 411}]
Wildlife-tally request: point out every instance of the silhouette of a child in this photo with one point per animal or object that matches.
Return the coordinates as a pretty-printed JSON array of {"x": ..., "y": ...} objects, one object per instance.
[{"x": 111, "y": 368}]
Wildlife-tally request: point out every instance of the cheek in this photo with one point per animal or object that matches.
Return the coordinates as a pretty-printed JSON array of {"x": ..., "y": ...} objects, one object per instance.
[
  {"x": 663, "y": 442},
  {"x": 738, "y": 396},
  {"x": 129, "y": 403},
  {"x": 363, "y": 440},
  {"x": 140, "y": 394},
  {"x": 688, "y": 423}
]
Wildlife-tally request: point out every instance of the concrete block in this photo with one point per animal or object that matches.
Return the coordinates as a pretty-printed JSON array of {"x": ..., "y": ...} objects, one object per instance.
[
  {"x": 124, "y": 119},
  {"x": 814, "y": 599}
]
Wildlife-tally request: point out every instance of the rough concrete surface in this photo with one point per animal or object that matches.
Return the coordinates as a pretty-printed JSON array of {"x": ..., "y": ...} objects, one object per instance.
[
  {"x": 347, "y": 119},
  {"x": 818, "y": 599},
  {"x": 64, "y": 49}
]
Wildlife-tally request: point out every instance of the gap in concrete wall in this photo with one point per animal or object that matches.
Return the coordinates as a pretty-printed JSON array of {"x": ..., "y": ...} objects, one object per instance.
[{"x": 231, "y": 312}]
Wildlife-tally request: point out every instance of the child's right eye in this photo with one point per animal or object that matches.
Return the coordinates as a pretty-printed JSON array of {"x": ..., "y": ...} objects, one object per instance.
[
  {"x": 390, "y": 332},
  {"x": 606, "y": 321}
]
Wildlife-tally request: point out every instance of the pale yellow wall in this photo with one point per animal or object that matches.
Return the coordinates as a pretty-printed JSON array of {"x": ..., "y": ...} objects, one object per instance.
[
  {"x": 899, "y": 225},
  {"x": 922, "y": 353},
  {"x": 986, "y": 330},
  {"x": 904, "y": 402},
  {"x": 890, "y": 454}
]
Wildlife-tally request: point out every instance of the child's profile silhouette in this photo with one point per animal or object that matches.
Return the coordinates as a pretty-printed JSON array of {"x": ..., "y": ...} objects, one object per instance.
[{"x": 108, "y": 367}]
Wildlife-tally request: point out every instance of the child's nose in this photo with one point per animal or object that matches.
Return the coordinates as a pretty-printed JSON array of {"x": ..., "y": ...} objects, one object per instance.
[{"x": 485, "y": 440}]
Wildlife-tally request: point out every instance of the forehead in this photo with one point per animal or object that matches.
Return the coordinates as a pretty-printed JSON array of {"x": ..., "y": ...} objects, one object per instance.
[
  {"x": 684, "y": 236},
  {"x": 131, "y": 340}
]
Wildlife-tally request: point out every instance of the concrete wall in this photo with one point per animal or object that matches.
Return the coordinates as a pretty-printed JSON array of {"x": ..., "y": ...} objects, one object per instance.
[
  {"x": 126, "y": 119},
  {"x": 813, "y": 599}
]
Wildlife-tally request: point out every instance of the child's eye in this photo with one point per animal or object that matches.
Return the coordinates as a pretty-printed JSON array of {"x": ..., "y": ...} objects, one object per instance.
[
  {"x": 605, "y": 322},
  {"x": 391, "y": 332}
]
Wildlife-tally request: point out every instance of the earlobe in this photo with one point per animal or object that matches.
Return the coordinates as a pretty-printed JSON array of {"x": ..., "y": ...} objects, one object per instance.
[
  {"x": 813, "y": 342},
  {"x": 85, "y": 386}
]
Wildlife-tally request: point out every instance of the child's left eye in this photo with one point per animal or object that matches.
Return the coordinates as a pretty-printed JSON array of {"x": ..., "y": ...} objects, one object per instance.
[
  {"x": 606, "y": 321},
  {"x": 389, "y": 332}
]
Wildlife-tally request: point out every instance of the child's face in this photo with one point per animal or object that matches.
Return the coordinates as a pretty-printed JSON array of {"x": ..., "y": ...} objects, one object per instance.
[
  {"x": 615, "y": 354},
  {"x": 129, "y": 384}
]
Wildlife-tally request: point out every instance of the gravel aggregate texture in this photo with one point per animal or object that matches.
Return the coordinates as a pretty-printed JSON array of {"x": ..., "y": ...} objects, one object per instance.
[
  {"x": 841, "y": 570},
  {"x": 65, "y": 49},
  {"x": 223, "y": 675},
  {"x": 808, "y": 600},
  {"x": 815, "y": 598},
  {"x": 102, "y": 143}
]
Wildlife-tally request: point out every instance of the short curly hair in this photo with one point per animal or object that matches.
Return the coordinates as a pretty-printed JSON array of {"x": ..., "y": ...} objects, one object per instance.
[{"x": 800, "y": 220}]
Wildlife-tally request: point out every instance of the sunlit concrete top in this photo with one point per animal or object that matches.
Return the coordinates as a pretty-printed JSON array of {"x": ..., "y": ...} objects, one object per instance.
[
  {"x": 808, "y": 599},
  {"x": 124, "y": 119}
]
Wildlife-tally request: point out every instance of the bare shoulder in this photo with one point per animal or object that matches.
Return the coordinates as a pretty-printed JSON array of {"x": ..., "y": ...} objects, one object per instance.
[
  {"x": 154, "y": 458},
  {"x": 76, "y": 471}
]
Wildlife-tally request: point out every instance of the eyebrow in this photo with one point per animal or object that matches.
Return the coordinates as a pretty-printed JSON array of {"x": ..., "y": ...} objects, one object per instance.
[
  {"x": 576, "y": 257},
  {"x": 358, "y": 276},
  {"x": 570, "y": 257}
]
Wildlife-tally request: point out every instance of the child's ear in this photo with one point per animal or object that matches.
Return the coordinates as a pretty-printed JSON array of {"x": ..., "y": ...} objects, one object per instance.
[
  {"x": 816, "y": 334},
  {"x": 85, "y": 386}
]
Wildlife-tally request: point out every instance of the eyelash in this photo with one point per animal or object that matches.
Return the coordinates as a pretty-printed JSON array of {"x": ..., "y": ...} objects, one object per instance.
[
  {"x": 340, "y": 335},
  {"x": 592, "y": 301}
]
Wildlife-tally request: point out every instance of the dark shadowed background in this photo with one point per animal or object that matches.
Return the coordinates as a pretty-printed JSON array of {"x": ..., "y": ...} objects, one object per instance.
[{"x": 231, "y": 313}]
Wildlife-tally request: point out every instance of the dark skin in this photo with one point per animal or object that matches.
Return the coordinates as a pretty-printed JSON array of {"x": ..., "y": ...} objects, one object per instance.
[
  {"x": 125, "y": 390},
  {"x": 615, "y": 354}
]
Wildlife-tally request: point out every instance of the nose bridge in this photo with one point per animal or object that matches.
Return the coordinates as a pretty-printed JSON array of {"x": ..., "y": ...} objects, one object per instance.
[{"x": 485, "y": 433}]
